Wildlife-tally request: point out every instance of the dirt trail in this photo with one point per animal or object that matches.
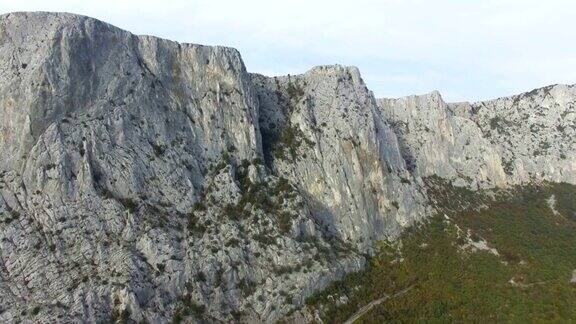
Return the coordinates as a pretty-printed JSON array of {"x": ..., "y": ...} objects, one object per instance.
[{"x": 373, "y": 303}]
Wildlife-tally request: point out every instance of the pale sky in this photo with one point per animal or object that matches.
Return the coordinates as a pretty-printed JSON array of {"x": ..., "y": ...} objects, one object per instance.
[{"x": 466, "y": 49}]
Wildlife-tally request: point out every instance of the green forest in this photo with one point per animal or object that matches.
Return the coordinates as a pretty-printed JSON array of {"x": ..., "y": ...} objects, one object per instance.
[{"x": 505, "y": 256}]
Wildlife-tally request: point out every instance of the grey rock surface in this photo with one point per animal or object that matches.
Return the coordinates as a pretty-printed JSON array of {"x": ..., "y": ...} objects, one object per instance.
[
  {"x": 497, "y": 143},
  {"x": 131, "y": 183},
  {"x": 143, "y": 179},
  {"x": 324, "y": 132}
]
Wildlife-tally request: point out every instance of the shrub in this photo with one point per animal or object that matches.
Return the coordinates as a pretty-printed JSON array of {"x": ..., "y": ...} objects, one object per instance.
[
  {"x": 291, "y": 138},
  {"x": 199, "y": 206},
  {"x": 285, "y": 221},
  {"x": 264, "y": 239},
  {"x": 295, "y": 91},
  {"x": 129, "y": 204},
  {"x": 197, "y": 309},
  {"x": 35, "y": 311},
  {"x": 247, "y": 288},
  {"x": 194, "y": 225},
  {"x": 233, "y": 242}
]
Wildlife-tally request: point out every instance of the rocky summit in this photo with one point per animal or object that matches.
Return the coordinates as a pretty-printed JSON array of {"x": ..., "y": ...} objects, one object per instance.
[{"x": 143, "y": 180}]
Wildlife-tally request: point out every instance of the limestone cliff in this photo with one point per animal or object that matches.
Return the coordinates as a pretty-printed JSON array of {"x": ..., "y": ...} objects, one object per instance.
[
  {"x": 143, "y": 179},
  {"x": 496, "y": 143},
  {"x": 132, "y": 183},
  {"x": 324, "y": 132}
]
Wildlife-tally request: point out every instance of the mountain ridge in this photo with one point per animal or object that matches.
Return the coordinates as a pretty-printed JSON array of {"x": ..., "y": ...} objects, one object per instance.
[{"x": 145, "y": 179}]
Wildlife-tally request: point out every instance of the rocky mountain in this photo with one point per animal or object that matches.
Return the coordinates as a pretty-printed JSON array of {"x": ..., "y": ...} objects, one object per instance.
[
  {"x": 324, "y": 131},
  {"x": 146, "y": 180},
  {"x": 502, "y": 142}
]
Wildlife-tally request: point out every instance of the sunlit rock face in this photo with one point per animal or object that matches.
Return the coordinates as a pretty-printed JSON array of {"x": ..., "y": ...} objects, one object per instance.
[
  {"x": 133, "y": 185},
  {"x": 143, "y": 179},
  {"x": 323, "y": 130},
  {"x": 534, "y": 133},
  {"x": 501, "y": 142}
]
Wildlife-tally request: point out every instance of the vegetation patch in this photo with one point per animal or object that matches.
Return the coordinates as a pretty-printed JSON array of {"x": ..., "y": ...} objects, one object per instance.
[
  {"x": 528, "y": 281},
  {"x": 499, "y": 124},
  {"x": 267, "y": 197},
  {"x": 285, "y": 143}
]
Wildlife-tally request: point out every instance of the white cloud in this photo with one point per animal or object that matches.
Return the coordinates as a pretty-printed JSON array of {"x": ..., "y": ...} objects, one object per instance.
[{"x": 467, "y": 49}]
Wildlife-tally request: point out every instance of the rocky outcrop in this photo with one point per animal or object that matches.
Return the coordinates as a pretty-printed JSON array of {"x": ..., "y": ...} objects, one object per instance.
[
  {"x": 496, "y": 143},
  {"x": 435, "y": 141},
  {"x": 324, "y": 132},
  {"x": 132, "y": 183},
  {"x": 534, "y": 133},
  {"x": 147, "y": 180}
]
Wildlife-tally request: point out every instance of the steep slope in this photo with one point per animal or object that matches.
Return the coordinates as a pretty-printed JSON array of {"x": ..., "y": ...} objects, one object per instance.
[
  {"x": 501, "y": 142},
  {"x": 147, "y": 180},
  {"x": 507, "y": 257},
  {"x": 132, "y": 186},
  {"x": 534, "y": 133},
  {"x": 323, "y": 131},
  {"x": 434, "y": 141}
]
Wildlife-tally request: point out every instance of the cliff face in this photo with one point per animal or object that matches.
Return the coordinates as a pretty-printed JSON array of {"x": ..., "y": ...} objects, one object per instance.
[
  {"x": 534, "y": 133},
  {"x": 324, "y": 132},
  {"x": 496, "y": 143},
  {"x": 132, "y": 183},
  {"x": 435, "y": 141},
  {"x": 149, "y": 180}
]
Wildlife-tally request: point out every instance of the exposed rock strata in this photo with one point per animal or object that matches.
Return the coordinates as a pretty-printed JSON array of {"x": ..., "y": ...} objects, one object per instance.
[
  {"x": 149, "y": 180},
  {"x": 132, "y": 183},
  {"x": 323, "y": 131},
  {"x": 506, "y": 141}
]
